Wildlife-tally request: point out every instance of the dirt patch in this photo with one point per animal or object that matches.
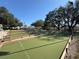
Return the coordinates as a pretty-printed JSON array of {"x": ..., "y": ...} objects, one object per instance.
[
  {"x": 72, "y": 50},
  {"x": 77, "y": 54}
]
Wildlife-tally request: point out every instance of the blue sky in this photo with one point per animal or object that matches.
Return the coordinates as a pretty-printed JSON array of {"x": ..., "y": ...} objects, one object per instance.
[{"x": 29, "y": 11}]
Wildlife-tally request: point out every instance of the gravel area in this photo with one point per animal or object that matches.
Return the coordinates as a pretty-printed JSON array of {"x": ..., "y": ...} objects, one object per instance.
[{"x": 72, "y": 50}]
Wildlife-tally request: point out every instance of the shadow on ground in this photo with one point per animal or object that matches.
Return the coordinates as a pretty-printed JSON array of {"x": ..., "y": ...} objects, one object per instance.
[
  {"x": 3, "y": 53},
  {"x": 54, "y": 35},
  {"x": 8, "y": 53}
]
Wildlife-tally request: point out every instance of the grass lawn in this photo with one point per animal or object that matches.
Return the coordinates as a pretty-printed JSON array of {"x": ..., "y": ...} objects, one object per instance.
[
  {"x": 14, "y": 34},
  {"x": 36, "y": 48}
]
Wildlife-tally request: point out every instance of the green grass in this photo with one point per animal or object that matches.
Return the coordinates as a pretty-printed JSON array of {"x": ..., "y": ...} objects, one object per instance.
[
  {"x": 14, "y": 34},
  {"x": 37, "y": 48}
]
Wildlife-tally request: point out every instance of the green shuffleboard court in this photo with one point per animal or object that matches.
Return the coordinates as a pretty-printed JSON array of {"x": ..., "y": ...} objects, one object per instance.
[{"x": 35, "y": 48}]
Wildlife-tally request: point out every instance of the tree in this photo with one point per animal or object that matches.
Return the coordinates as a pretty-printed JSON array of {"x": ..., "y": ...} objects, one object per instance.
[
  {"x": 64, "y": 17},
  {"x": 49, "y": 20},
  {"x": 8, "y": 19},
  {"x": 38, "y": 23}
]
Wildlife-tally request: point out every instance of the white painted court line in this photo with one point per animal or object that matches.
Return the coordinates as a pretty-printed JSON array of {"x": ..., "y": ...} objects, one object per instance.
[{"x": 26, "y": 53}]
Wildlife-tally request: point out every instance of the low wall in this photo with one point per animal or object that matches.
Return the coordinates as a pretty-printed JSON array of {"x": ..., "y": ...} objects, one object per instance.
[{"x": 2, "y": 34}]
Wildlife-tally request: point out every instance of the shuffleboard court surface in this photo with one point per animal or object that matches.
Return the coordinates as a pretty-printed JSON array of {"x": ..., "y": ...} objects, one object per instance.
[{"x": 33, "y": 49}]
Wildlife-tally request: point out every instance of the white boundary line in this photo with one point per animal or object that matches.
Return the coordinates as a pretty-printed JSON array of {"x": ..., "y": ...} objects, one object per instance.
[{"x": 26, "y": 53}]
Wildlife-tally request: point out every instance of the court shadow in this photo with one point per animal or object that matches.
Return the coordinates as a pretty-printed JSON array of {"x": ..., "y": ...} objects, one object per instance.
[
  {"x": 3, "y": 53},
  {"x": 38, "y": 47}
]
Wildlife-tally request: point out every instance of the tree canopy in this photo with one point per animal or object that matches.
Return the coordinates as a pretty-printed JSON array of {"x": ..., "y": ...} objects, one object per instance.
[
  {"x": 38, "y": 23},
  {"x": 7, "y": 19},
  {"x": 63, "y": 17}
]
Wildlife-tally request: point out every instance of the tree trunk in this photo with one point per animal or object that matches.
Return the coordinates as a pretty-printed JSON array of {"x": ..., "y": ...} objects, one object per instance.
[{"x": 71, "y": 32}]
